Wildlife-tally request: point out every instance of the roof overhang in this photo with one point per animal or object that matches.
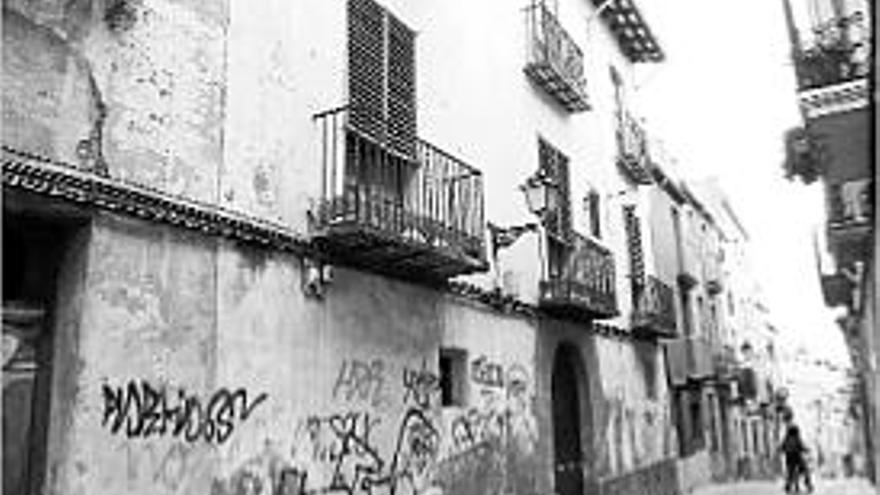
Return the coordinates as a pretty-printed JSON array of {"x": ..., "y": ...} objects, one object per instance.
[{"x": 633, "y": 35}]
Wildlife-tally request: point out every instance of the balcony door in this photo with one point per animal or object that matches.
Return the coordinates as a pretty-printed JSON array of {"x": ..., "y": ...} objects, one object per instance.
[
  {"x": 31, "y": 252},
  {"x": 569, "y": 461}
]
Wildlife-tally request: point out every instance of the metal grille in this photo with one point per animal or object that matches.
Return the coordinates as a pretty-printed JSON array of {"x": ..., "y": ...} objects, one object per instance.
[{"x": 555, "y": 61}]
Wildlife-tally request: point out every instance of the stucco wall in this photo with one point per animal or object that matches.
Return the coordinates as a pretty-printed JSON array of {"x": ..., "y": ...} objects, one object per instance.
[{"x": 192, "y": 365}]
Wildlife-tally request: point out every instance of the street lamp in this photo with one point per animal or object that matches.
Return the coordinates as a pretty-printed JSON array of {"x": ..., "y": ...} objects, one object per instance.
[
  {"x": 542, "y": 197},
  {"x": 542, "y": 194}
]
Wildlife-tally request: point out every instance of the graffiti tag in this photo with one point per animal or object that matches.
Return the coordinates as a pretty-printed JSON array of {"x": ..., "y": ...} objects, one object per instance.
[{"x": 139, "y": 410}]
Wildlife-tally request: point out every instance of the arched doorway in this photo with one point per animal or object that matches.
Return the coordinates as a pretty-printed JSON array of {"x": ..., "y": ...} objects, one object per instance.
[{"x": 568, "y": 455}]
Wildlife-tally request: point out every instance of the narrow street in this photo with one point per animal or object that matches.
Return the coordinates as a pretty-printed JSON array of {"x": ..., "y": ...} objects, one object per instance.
[{"x": 823, "y": 487}]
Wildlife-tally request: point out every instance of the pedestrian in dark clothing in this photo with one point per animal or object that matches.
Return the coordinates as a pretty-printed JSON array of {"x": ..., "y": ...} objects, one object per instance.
[{"x": 794, "y": 450}]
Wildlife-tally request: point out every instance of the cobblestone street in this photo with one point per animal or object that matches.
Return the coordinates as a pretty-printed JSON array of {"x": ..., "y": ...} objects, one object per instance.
[{"x": 823, "y": 487}]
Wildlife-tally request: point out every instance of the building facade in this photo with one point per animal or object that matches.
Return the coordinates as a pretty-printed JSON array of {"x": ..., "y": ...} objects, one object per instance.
[
  {"x": 833, "y": 55},
  {"x": 246, "y": 250}
]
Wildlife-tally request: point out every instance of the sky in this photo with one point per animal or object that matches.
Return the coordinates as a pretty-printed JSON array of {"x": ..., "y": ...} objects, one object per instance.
[{"x": 720, "y": 103}]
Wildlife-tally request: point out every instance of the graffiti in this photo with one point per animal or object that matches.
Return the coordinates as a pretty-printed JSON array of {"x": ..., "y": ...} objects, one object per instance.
[
  {"x": 486, "y": 372},
  {"x": 477, "y": 426},
  {"x": 267, "y": 473},
  {"x": 416, "y": 449},
  {"x": 140, "y": 410},
  {"x": 360, "y": 380},
  {"x": 419, "y": 385}
]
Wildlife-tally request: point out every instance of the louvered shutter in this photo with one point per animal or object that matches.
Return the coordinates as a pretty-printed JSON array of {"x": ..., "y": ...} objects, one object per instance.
[
  {"x": 554, "y": 165},
  {"x": 366, "y": 68},
  {"x": 595, "y": 214},
  {"x": 381, "y": 76},
  {"x": 401, "y": 104},
  {"x": 634, "y": 248}
]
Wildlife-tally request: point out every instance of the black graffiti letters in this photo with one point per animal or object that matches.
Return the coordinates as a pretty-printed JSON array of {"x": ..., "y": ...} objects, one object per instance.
[{"x": 140, "y": 410}]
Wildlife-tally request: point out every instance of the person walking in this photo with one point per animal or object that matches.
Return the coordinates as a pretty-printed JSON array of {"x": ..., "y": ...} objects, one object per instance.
[{"x": 795, "y": 451}]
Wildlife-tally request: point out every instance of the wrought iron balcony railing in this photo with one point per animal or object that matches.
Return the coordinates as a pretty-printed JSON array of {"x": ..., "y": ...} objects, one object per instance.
[
  {"x": 654, "y": 309},
  {"x": 586, "y": 284},
  {"x": 690, "y": 358},
  {"x": 555, "y": 62},
  {"x": 724, "y": 361},
  {"x": 632, "y": 149},
  {"x": 850, "y": 220},
  {"x": 712, "y": 272},
  {"x": 417, "y": 217},
  {"x": 849, "y": 204},
  {"x": 840, "y": 52}
]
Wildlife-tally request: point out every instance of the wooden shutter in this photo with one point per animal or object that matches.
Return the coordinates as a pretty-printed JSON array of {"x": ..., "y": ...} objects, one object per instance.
[
  {"x": 634, "y": 248},
  {"x": 401, "y": 104},
  {"x": 554, "y": 165},
  {"x": 381, "y": 76},
  {"x": 366, "y": 68},
  {"x": 595, "y": 214}
]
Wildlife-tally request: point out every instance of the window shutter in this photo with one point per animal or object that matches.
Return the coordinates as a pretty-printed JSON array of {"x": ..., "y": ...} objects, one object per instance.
[
  {"x": 366, "y": 68},
  {"x": 634, "y": 247},
  {"x": 401, "y": 88},
  {"x": 381, "y": 76},
  {"x": 595, "y": 214},
  {"x": 554, "y": 165}
]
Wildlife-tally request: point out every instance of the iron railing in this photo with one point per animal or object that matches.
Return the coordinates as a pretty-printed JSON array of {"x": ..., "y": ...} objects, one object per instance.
[
  {"x": 431, "y": 199},
  {"x": 554, "y": 60},
  {"x": 849, "y": 203},
  {"x": 840, "y": 51},
  {"x": 632, "y": 148},
  {"x": 586, "y": 281},
  {"x": 654, "y": 308}
]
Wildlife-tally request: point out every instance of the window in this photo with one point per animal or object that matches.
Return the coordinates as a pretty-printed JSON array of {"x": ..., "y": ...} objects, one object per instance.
[
  {"x": 381, "y": 76},
  {"x": 554, "y": 165},
  {"x": 593, "y": 212},
  {"x": 453, "y": 377}
]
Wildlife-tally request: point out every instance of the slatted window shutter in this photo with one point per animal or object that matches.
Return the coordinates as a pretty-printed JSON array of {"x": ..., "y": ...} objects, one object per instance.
[
  {"x": 401, "y": 106},
  {"x": 634, "y": 248},
  {"x": 381, "y": 76},
  {"x": 595, "y": 214},
  {"x": 366, "y": 68},
  {"x": 554, "y": 164}
]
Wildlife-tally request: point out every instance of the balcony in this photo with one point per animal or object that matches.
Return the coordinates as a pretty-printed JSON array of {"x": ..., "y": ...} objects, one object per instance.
[
  {"x": 690, "y": 359},
  {"x": 747, "y": 383},
  {"x": 838, "y": 53},
  {"x": 632, "y": 150},
  {"x": 837, "y": 290},
  {"x": 712, "y": 275},
  {"x": 555, "y": 62},
  {"x": 586, "y": 285},
  {"x": 415, "y": 217},
  {"x": 850, "y": 219},
  {"x": 849, "y": 204},
  {"x": 654, "y": 308},
  {"x": 724, "y": 362}
]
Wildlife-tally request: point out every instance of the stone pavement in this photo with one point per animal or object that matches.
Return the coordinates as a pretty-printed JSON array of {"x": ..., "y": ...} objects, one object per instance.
[{"x": 823, "y": 487}]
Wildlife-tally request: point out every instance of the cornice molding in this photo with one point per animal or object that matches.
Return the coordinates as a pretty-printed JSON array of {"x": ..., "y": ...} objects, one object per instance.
[
  {"x": 834, "y": 99},
  {"x": 53, "y": 179}
]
